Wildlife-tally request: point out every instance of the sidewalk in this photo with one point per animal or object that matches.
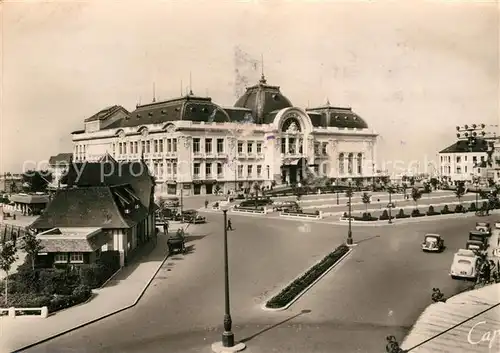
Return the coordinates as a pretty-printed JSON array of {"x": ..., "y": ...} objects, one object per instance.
[
  {"x": 466, "y": 323},
  {"x": 123, "y": 291}
]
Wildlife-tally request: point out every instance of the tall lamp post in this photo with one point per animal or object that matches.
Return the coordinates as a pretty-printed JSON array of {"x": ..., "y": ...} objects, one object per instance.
[
  {"x": 349, "y": 194},
  {"x": 227, "y": 343},
  {"x": 390, "y": 190}
]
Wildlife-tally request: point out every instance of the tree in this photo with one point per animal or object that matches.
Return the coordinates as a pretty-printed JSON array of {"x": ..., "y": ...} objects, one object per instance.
[
  {"x": 412, "y": 181},
  {"x": 36, "y": 181},
  {"x": 32, "y": 246},
  {"x": 460, "y": 191},
  {"x": 366, "y": 198},
  {"x": 7, "y": 258},
  {"x": 217, "y": 189},
  {"x": 416, "y": 195},
  {"x": 359, "y": 184},
  {"x": 434, "y": 182}
]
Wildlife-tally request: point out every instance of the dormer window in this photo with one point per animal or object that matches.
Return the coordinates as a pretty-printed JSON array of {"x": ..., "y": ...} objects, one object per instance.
[
  {"x": 138, "y": 115},
  {"x": 193, "y": 109},
  {"x": 127, "y": 211},
  {"x": 150, "y": 114},
  {"x": 205, "y": 110},
  {"x": 177, "y": 109},
  {"x": 276, "y": 97},
  {"x": 164, "y": 112}
]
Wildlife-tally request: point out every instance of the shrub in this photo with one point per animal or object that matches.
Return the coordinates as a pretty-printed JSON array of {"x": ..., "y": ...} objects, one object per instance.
[
  {"x": 416, "y": 213},
  {"x": 445, "y": 210},
  {"x": 216, "y": 205},
  {"x": 385, "y": 216},
  {"x": 401, "y": 214},
  {"x": 94, "y": 275},
  {"x": 79, "y": 295},
  {"x": 345, "y": 215},
  {"x": 28, "y": 300},
  {"x": 472, "y": 207},
  {"x": 431, "y": 211},
  {"x": 316, "y": 213},
  {"x": 291, "y": 291},
  {"x": 459, "y": 209},
  {"x": 485, "y": 205}
]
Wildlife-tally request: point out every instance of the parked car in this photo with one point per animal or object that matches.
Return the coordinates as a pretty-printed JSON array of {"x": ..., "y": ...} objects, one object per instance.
[
  {"x": 192, "y": 216},
  {"x": 483, "y": 227},
  {"x": 465, "y": 265},
  {"x": 476, "y": 245},
  {"x": 281, "y": 205},
  {"x": 477, "y": 235},
  {"x": 497, "y": 225},
  {"x": 433, "y": 243}
]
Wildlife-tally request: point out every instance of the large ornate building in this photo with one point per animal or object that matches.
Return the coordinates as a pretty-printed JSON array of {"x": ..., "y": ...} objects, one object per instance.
[{"x": 192, "y": 144}]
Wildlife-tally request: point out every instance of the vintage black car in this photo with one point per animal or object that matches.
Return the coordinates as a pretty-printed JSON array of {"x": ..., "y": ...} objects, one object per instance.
[
  {"x": 433, "y": 243},
  {"x": 476, "y": 245},
  {"x": 177, "y": 243},
  {"x": 191, "y": 216}
]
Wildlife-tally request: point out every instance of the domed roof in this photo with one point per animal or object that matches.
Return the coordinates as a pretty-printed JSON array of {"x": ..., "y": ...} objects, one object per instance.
[
  {"x": 189, "y": 107},
  {"x": 262, "y": 99},
  {"x": 328, "y": 116}
]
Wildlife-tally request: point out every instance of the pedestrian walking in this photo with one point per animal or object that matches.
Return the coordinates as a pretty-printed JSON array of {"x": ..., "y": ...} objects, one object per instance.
[
  {"x": 165, "y": 227},
  {"x": 229, "y": 225},
  {"x": 206, "y": 203}
]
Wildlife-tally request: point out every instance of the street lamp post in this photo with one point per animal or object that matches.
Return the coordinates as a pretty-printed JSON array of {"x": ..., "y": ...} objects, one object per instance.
[
  {"x": 390, "y": 204},
  {"x": 349, "y": 232},
  {"x": 227, "y": 343}
]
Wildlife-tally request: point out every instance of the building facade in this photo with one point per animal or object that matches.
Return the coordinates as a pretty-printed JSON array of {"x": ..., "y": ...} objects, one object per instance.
[
  {"x": 463, "y": 162},
  {"x": 192, "y": 144}
]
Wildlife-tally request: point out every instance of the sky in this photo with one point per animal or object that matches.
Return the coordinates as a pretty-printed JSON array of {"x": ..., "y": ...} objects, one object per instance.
[{"x": 413, "y": 69}]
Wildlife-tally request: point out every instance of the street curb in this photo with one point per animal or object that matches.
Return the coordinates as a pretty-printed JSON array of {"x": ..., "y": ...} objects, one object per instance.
[
  {"x": 263, "y": 306},
  {"x": 139, "y": 297}
]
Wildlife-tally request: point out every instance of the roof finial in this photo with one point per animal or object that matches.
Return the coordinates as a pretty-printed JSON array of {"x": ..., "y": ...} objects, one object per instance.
[
  {"x": 181, "y": 89},
  {"x": 262, "y": 77},
  {"x": 154, "y": 93},
  {"x": 327, "y": 101},
  {"x": 190, "y": 84}
]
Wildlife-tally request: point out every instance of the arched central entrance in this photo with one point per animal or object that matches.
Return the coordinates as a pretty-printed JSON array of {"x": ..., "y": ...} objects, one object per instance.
[{"x": 294, "y": 171}]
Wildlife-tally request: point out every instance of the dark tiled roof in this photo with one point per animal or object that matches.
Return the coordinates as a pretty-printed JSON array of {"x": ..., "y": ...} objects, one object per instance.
[
  {"x": 112, "y": 173},
  {"x": 82, "y": 207},
  {"x": 106, "y": 113},
  {"x": 73, "y": 245},
  {"x": 263, "y": 99},
  {"x": 336, "y": 117},
  {"x": 190, "y": 108},
  {"x": 462, "y": 146},
  {"x": 61, "y": 158},
  {"x": 239, "y": 114}
]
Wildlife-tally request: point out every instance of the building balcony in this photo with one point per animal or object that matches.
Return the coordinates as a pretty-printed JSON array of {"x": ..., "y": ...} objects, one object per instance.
[
  {"x": 198, "y": 154},
  {"x": 220, "y": 176},
  {"x": 196, "y": 176}
]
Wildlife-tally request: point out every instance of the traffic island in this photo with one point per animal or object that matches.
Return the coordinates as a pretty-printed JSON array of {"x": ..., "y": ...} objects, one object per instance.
[{"x": 292, "y": 292}]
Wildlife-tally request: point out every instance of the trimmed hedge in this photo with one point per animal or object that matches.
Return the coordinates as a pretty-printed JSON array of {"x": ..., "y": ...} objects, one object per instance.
[
  {"x": 446, "y": 210},
  {"x": 385, "y": 216},
  {"x": 367, "y": 217},
  {"x": 416, "y": 213},
  {"x": 291, "y": 291},
  {"x": 432, "y": 212},
  {"x": 401, "y": 214}
]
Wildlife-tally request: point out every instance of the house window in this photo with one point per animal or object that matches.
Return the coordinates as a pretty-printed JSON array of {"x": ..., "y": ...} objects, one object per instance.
[
  {"x": 259, "y": 147},
  {"x": 350, "y": 162},
  {"x": 474, "y": 159},
  {"x": 160, "y": 146},
  {"x": 208, "y": 145},
  {"x": 360, "y": 163},
  {"x": 174, "y": 145},
  {"x": 458, "y": 159},
  {"x": 240, "y": 171},
  {"x": 120, "y": 148},
  {"x": 324, "y": 169},
  {"x": 316, "y": 148},
  {"x": 208, "y": 169},
  {"x": 169, "y": 168},
  {"x": 136, "y": 147},
  {"x": 156, "y": 146},
  {"x": 174, "y": 168},
  {"x": 459, "y": 170},
  {"x": 169, "y": 145},
  {"x": 250, "y": 146},
  {"x": 341, "y": 163},
  {"x": 60, "y": 258},
  {"x": 259, "y": 170},
  {"x": 323, "y": 148},
  {"x": 76, "y": 258},
  {"x": 249, "y": 170},
  {"x": 465, "y": 169},
  {"x": 240, "y": 147},
  {"x": 291, "y": 145},
  {"x": 143, "y": 150},
  {"x": 196, "y": 145},
  {"x": 148, "y": 146},
  {"x": 131, "y": 147},
  {"x": 196, "y": 169},
  {"x": 465, "y": 158},
  {"x": 283, "y": 145},
  {"x": 220, "y": 145},
  {"x": 219, "y": 168},
  {"x": 482, "y": 158},
  {"x": 124, "y": 148}
]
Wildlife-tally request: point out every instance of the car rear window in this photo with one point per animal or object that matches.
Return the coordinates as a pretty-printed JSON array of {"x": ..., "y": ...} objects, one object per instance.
[{"x": 464, "y": 262}]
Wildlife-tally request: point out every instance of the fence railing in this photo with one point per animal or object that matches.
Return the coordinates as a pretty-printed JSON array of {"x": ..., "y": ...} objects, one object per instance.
[
  {"x": 12, "y": 312},
  {"x": 302, "y": 215}
]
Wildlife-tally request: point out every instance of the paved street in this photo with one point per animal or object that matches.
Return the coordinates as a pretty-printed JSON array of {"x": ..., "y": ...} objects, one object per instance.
[{"x": 380, "y": 289}]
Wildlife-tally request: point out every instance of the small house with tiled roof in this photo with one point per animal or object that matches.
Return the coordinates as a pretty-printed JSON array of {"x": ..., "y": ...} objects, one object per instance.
[{"x": 117, "y": 198}]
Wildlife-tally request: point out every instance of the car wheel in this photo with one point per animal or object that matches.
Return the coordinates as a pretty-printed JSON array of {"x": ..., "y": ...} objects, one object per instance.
[{"x": 453, "y": 277}]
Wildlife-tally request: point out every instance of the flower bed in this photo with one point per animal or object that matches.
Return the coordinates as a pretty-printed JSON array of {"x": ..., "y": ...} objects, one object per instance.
[{"x": 290, "y": 292}]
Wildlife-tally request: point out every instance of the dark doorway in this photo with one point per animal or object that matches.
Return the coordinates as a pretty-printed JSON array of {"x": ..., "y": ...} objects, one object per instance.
[
  {"x": 197, "y": 189},
  {"x": 209, "y": 188}
]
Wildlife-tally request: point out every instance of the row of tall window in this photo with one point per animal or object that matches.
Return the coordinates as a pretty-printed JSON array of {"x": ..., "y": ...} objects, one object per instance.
[
  {"x": 459, "y": 159},
  {"x": 250, "y": 146},
  {"x": 164, "y": 169},
  {"x": 348, "y": 159},
  {"x": 292, "y": 145},
  {"x": 80, "y": 152},
  {"x": 149, "y": 146},
  {"x": 209, "y": 145}
]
